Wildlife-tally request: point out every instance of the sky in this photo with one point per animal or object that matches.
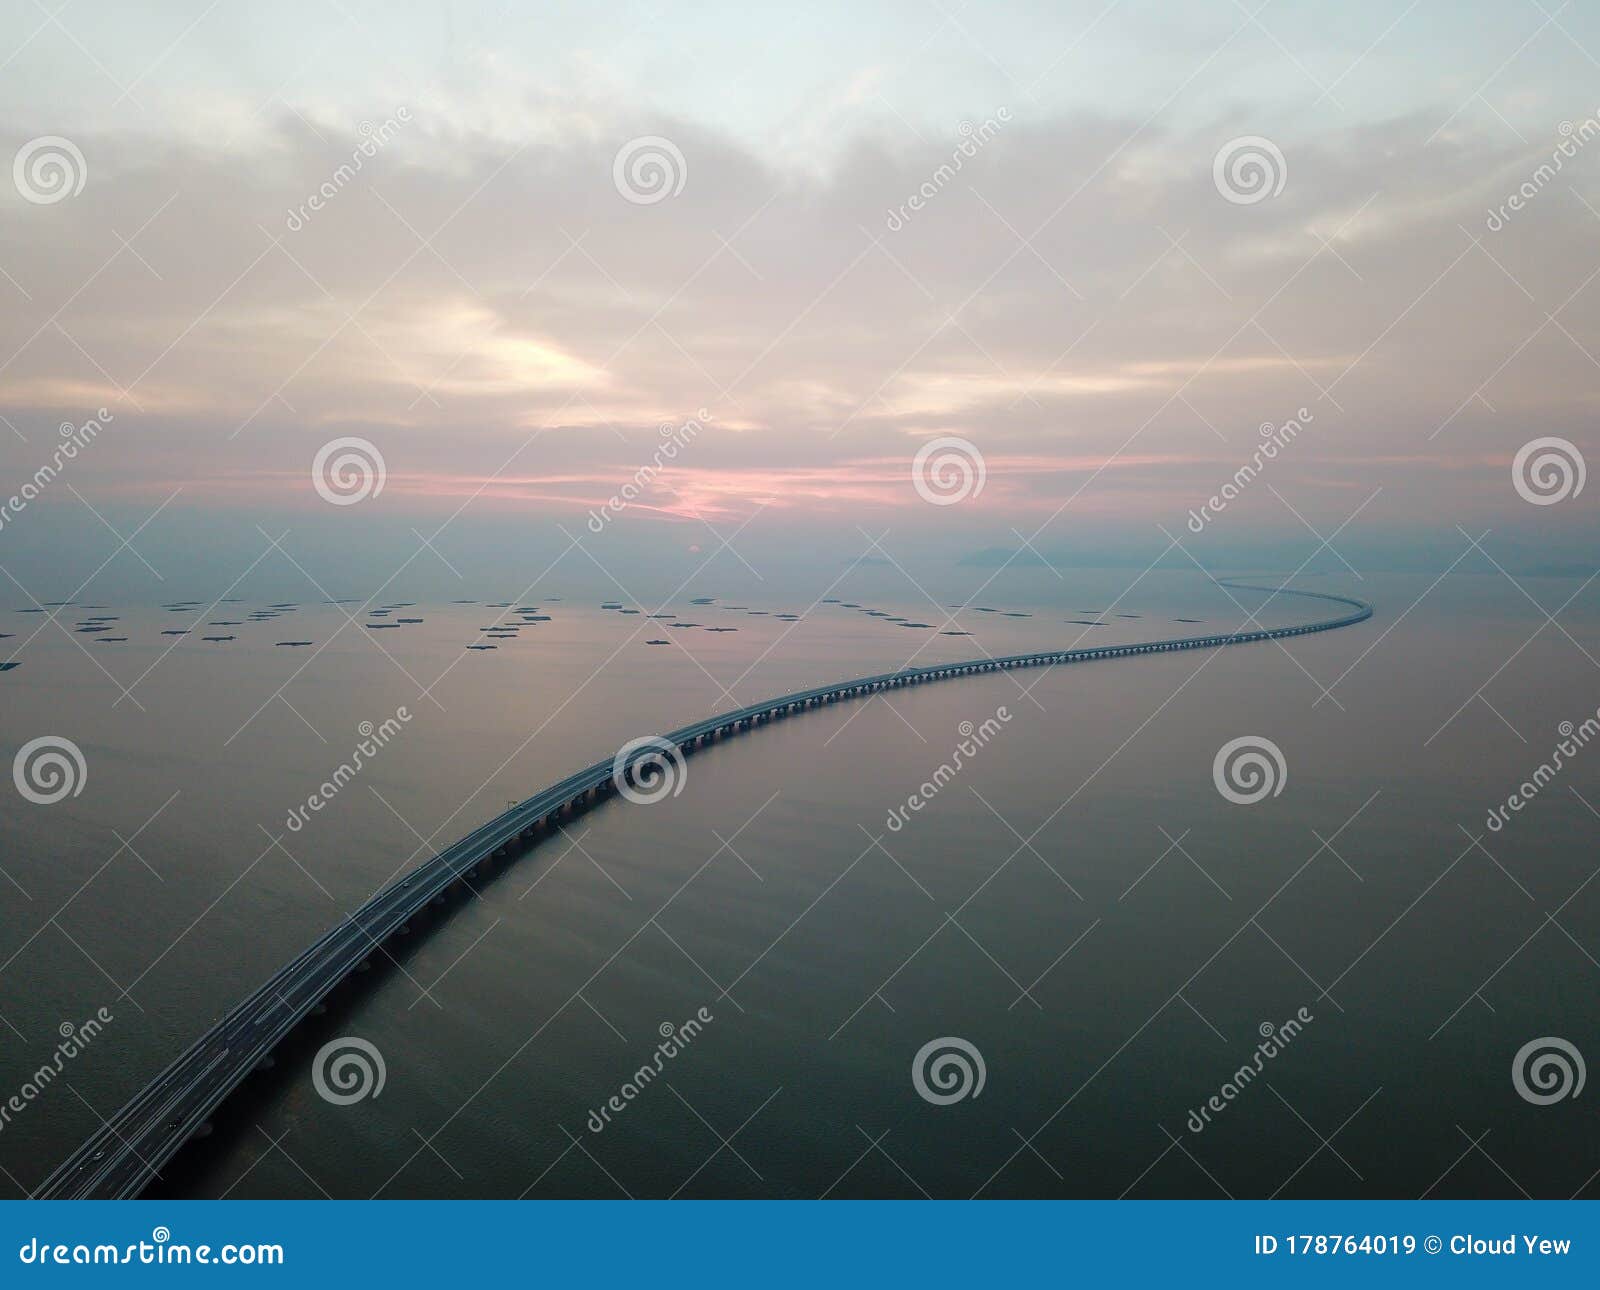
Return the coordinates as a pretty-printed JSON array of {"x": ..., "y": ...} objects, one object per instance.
[{"x": 1095, "y": 254}]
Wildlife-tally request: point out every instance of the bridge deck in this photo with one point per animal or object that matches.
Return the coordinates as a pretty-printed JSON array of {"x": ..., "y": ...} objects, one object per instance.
[{"x": 121, "y": 1157}]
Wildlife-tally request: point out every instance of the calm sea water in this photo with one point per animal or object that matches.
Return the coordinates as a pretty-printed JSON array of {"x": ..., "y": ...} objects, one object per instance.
[{"x": 1078, "y": 904}]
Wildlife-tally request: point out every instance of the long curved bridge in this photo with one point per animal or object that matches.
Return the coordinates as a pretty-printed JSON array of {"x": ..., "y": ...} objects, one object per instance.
[{"x": 128, "y": 1150}]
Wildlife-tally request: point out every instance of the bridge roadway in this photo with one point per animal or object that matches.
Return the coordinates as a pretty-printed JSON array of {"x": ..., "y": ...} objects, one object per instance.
[{"x": 127, "y": 1151}]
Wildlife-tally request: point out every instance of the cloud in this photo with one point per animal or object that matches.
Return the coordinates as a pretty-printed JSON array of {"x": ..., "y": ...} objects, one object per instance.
[{"x": 1078, "y": 300}]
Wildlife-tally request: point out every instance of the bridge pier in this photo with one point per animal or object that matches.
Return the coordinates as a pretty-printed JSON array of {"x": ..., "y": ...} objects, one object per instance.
[{"x": 301, "y": 986}]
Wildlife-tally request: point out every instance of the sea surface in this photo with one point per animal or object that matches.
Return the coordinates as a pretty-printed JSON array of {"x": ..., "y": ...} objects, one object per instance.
[{"x": 1110, "y": 938}]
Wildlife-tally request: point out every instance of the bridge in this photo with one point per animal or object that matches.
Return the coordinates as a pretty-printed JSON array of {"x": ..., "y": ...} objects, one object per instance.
[{"x": 128, "y": 1150}]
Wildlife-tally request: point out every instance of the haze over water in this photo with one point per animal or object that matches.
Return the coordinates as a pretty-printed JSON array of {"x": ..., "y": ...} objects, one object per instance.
[{"x": 828, "y": 948}]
